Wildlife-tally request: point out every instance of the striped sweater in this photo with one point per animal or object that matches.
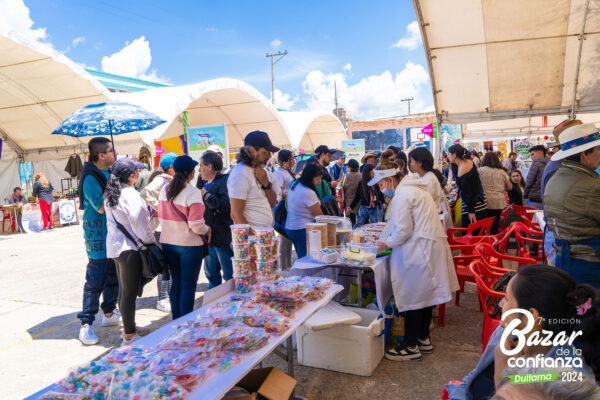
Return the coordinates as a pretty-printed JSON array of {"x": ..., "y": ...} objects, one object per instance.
[{"x": 175, "y": 230}]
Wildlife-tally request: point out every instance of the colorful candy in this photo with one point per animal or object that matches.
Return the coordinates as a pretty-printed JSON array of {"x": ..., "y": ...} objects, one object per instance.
[
  {"x": 242, "y": 268},
  {"x": 264, "y": 236},
  {"x": 264, "y": 252},
  {"x": 241, "y": 251},
  {"x": 240, "y": 233},
  {"x": 243, "y": 285}
]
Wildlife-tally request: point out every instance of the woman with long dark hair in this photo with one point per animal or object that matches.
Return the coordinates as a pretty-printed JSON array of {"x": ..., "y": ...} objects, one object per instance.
[
  {"x": 370, "y": 198},
  {"x": 495, "y": 182},
  {"x": 181, "y": 214},
  {"x": 421, "y": 163},
  {"x": 125, "y": 209},
  {"x": 515, "y": 194},
  {"x": 303, "y": 206},
  {"x": 474, "y": 204}
]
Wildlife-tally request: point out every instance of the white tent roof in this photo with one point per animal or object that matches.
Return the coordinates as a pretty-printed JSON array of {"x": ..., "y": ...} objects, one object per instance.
[
  {"x": 311, "y": 129},
  {"x": 39, "y": 88},
  {"x": 219, "y": 101},
  {"x": 492, "y": 59},
  {"x": 518, "y": 127}
]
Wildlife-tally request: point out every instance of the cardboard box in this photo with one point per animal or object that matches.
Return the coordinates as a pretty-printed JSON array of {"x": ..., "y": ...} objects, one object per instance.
[{"x": 267, "y": 383}]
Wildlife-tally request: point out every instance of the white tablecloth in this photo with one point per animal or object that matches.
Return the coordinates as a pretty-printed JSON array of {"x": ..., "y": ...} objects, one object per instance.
[
  {"x": 381, "y": 269},
  {"x": 219, "y": 383}
]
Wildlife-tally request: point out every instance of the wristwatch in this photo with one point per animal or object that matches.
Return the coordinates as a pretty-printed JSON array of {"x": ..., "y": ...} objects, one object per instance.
[{"x": 269, "y": 186}]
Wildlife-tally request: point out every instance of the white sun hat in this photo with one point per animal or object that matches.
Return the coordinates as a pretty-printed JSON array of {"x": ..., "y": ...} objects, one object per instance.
[
  {"x": 577, "y": 139},
  {"x": 215, "y": 149},
  {"x": 379, "y": 174}
]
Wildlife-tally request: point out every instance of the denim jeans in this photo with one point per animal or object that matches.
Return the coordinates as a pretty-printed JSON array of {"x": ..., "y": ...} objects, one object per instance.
[
  {"x": 100, "y": 279},
  {"x": 535, "y": 204},
  {"x": 368, "y": 215},
  {"x": 184, "y": 264},
  {"x": 218, "y": 260},
  {"x": 298, "y": 237},
  {"x": 548, "y": 248}
]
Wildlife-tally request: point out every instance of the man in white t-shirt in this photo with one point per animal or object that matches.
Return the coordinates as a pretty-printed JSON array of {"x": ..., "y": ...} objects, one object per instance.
[{"x": 250, "y": 190}]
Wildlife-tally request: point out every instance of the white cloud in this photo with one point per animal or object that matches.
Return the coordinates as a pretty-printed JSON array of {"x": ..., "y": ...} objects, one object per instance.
[
  {"x": 133, "y": 60},
  {"x": 77, "y": 41},
  {"x": 276, "y": 43},
  {"x": 211, "y": 29},
  {"x": 411, "y": 39},
  {"x": 15, "y": 16},
  {"x": 284, "y": 101},
  {"x": 347, "y": 67},
  {"x": 376, "y": 96}
]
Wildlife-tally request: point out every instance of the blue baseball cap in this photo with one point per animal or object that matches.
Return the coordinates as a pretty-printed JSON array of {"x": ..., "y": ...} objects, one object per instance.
[
  {"x": 125, "y": 166},
  {"x": 167, "y": 160},
  {"x": 260, "y": 139},
  {"x": 185, "y": 164}
]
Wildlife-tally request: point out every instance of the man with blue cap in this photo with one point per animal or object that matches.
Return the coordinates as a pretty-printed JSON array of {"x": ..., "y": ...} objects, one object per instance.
[{"x": 150, "y": 195}]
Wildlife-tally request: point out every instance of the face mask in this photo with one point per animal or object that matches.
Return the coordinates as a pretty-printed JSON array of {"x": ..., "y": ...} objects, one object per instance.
[{"x": 388, "y": 192}]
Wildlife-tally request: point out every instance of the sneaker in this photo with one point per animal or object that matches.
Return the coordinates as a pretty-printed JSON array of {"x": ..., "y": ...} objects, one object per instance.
[
  {"x": 425, "y": 345},
  {"x": 403, "y": 353},
  {"x": 127, "y": 342},
  {"x": 113, "y": 320},
  {"x": 140, "y": 330},
  {"x": 87, "y": 335},
  {"x": 164, "y": 305}
]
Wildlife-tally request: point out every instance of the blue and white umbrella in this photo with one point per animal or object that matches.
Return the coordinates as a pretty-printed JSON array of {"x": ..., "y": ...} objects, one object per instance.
[{"x": 108, "y": 119}]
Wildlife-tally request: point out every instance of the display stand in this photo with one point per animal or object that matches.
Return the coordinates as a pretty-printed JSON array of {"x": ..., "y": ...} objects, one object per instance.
[
  {"x": 67, "y": 188},
  {"x": 219, "y": 383}
]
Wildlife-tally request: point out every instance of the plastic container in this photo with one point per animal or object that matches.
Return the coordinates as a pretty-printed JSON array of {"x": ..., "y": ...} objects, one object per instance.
[
  {"x": 352, "y": 349},
  {"x": 240, "y": 233},
  {"x": 360, "y": 253},
  {"x": 241, "y": 251},
  {"x": 242, "y": 268},
  {"x": 264, "y": 253},
  {"x": 264, "y": 236},
  {"x": 243, "y": 285}
]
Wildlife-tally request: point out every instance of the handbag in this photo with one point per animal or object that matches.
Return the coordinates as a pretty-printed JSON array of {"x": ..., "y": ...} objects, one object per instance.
[{"x": 154, "y": 261}]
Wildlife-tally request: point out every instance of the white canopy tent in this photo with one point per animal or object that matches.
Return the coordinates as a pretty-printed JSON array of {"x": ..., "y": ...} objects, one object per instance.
[
  {"x": 39, "y": 89},
  {"x": 311, "y": 129},
  {"x": 507, "y": 59},
  {"x": 234, "y": 103}
]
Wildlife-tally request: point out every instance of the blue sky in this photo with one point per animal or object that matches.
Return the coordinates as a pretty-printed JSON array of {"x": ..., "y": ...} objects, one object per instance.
[{"x": 185, "y": 42}]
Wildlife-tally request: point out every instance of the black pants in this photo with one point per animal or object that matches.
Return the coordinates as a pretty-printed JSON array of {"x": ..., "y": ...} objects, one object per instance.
[
  {"x": 483, "y": 214},
  {"x": 416, "y": 325},
  {"x": 129, "y": 271},
  {"x": 496, "y": 223}
]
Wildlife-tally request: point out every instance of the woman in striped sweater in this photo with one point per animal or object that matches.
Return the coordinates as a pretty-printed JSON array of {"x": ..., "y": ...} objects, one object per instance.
[{"x": 181, "y": 214}]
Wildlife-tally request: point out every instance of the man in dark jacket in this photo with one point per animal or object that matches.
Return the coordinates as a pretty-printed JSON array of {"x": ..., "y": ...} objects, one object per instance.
[
  {"x": 533, "y": 189},
  {"x": 218, "y": 216}
]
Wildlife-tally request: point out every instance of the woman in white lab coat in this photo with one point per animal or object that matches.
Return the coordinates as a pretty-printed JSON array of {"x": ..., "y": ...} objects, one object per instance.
[{"x": 422, "y": 270}]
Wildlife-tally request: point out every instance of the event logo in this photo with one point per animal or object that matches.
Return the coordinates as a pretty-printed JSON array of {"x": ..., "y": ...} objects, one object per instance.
[{"x": 566, "y": 355}]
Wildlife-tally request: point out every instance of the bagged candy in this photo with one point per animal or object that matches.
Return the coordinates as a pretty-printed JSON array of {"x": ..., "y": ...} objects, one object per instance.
[
  {"x": 125, "y": 353},
  {"x": 240, "y": 233},
  {"x": 264, "y": 236}
]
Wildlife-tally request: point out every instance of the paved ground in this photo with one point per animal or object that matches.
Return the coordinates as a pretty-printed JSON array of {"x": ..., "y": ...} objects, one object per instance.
[{"x": 41, "y": 283}]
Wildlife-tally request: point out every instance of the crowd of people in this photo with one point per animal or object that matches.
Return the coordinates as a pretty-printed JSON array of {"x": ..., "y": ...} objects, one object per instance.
[{"x": 191, "y": 223}]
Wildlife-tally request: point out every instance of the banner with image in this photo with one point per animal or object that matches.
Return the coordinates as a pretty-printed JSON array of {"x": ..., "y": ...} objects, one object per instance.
[
  {"x": 201, "y": 137},
  {"x": 354, "y": 149}
]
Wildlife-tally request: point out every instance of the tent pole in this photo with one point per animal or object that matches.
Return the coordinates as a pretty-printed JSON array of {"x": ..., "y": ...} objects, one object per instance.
[
  {"x": 581, "y": 39},
  {"x": 110, "y": 124}
]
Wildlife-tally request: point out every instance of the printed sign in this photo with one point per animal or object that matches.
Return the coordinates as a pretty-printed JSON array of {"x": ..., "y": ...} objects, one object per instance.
[
  {"x": 201, "y": 137},
  {"x": 67, "y": 212},
  {"x": 354, "y": 149}
]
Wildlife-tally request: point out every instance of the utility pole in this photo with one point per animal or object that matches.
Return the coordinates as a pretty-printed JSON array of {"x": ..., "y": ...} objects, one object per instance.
[
  {"x": 273, "y": 62},
  {"x": 337, "y": 113},
  {"x": 408, "y": 100}
]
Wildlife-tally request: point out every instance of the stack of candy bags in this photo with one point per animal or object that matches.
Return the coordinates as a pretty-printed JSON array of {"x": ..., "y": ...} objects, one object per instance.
[
  {"x": 214, "y": 341},
  {"x": 254, "y": 257}
]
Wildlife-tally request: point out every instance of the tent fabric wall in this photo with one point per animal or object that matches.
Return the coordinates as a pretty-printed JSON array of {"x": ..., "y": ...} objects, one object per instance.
[
  {"x": 492, "y": 59},
  {"x": 9, "y": 172},
  {"x": 308, "y": 130},
  {"x": 54, "y": 170}
]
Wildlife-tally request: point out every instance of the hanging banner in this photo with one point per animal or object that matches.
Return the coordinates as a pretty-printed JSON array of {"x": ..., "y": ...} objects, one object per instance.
[
  {"x": 521, "y": 147},
  {"x": 354, "y": 149},
  {"x": 200, "y": 137}
]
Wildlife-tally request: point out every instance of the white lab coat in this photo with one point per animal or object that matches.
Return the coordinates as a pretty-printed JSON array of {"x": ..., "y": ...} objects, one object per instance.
[{"x": 422, "y": 270}]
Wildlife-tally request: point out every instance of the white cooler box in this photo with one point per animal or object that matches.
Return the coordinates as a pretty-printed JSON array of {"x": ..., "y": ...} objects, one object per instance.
[{"x": 353, "y": 349}]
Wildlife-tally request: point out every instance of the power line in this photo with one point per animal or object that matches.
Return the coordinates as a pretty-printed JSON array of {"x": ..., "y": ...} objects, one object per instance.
[
  {"x": 408, "y": 100},
  {"x": 273, "y": 62}
]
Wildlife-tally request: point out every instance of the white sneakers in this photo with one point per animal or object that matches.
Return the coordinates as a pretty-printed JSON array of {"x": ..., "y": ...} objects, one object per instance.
[
  {"x": 87, "y": 335},
  {"x": 164, "y": 305},
  {"x": 113, "y": 320}
]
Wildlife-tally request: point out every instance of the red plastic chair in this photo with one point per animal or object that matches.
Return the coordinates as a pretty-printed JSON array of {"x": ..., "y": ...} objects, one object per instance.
[
  {"x": 504, "y": 217},
  {"x": 523, "y": 212},
  {"x": 525, "y": 238},
  {"x": 493, "y": 259},
  {"x": 485, "y": 279},
  {"x": 463, "y": 273},
  {"x": 11, "y": 219},
  {"x": 478, "y": 229}
]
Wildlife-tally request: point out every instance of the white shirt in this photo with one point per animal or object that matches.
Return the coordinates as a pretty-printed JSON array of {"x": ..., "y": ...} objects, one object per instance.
[
  {"x": 433, "y": 187},
  {"x": 299, "y": 200},
  {"x": 284, "y": 178},
  {"x": 243, "y": 185},
  {"x": 132, "y": 213},
  {"x": 275, "y": 184}
]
